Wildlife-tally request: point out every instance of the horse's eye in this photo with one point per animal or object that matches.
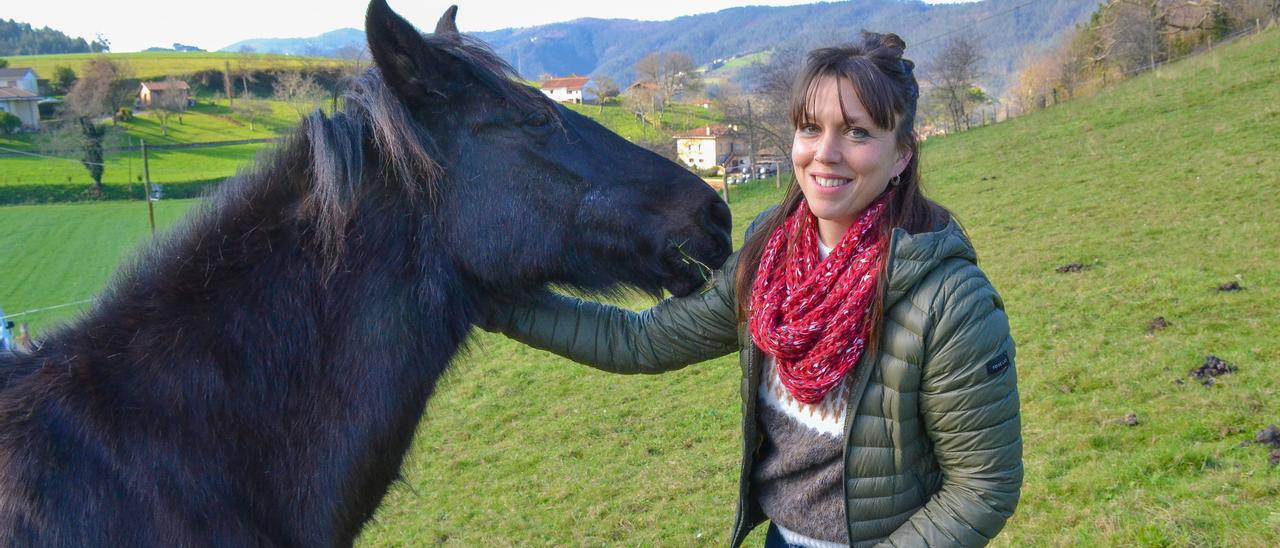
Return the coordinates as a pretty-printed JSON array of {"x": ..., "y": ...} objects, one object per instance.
[{"x": 537, "y": 119}]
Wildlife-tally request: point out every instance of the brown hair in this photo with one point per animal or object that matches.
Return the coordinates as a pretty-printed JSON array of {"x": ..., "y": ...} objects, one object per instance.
[{"x": 886, "y": 86}]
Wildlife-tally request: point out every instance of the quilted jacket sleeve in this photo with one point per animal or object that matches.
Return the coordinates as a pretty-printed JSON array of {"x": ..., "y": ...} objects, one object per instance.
[
  {"x": 969, "y": 406},
  {"x": 675, "y": 333}
]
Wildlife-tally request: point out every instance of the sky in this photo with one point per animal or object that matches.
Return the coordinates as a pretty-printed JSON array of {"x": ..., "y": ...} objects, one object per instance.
[{"x": 214, "y": 25}]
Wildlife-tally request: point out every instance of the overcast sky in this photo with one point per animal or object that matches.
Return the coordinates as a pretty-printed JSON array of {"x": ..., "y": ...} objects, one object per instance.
[{"x": 133, "y": 26}]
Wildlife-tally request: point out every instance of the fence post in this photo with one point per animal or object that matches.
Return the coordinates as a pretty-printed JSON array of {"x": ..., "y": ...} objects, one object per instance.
[{"x": 146, "y": 189}]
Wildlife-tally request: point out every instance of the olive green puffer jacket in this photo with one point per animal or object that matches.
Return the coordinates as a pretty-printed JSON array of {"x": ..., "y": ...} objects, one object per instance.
[{"x": 933, "y": 453}]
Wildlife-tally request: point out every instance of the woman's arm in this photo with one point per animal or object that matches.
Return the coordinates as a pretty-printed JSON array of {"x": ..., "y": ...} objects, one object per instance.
[
  {"x": 675, "y": 333},
  {"x": 969, "y": 406}
]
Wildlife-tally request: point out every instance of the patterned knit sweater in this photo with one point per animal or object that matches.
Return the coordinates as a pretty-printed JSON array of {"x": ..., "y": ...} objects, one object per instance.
[{"x": 798, "y": 475}]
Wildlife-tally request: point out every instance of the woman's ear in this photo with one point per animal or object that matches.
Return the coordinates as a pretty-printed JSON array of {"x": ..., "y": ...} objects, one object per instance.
[{"x": 904, "y": 158}]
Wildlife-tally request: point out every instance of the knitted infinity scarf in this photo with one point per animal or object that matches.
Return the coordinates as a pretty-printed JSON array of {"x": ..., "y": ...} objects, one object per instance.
[{"x": 811, "y": 314}]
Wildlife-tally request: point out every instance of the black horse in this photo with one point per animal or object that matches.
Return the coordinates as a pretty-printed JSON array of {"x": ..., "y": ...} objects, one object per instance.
[{"x": 256, "y": 377}]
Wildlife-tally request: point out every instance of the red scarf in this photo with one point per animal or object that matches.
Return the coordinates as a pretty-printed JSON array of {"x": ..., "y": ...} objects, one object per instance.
[{"x": 812, "y": 314}]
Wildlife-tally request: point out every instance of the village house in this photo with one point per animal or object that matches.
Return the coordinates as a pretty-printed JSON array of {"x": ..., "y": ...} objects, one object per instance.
[
  {"x": 569, "y": 89},
  {"x": 19, "y": 95},
  {"x": 151, "y": 92},
  {"x": 24, "y": 78},
  {"x": 711, "y": 146}
]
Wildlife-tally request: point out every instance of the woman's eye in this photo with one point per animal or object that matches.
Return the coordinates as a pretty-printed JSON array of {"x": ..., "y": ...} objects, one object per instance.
[
  {"x": 857, "y": 133},
  {"x": 809, "y": 129}
]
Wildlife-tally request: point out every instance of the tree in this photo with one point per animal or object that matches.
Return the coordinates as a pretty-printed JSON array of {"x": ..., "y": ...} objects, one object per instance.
[
  {"x": 63, "y": 78},
  {"x": 101, "y": 89},
  {"x": 251, "y": 110},
  {"x": 670, "y": 72},
  {"x": 4, "y": 63},
  {"x": 954, "y": 72},
  {"x": 9, "y": 123},
  {"x": 168, "y": 103},
  {"x": 765, "y": 111},
  {"x": 300, "y": 91},
  {"x": 92, "y": 158},
  {"x": 604, "y": 88}
]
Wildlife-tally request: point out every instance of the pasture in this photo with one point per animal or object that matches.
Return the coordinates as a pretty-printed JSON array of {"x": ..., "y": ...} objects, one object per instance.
[
  {"x": 156, "y": 65},
  {"x": 1162, "y": 188}
]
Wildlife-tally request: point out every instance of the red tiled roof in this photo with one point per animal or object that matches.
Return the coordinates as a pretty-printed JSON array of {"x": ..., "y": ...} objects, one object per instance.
[
  {"x": 162, "y": 86},
  {"x": 706, "y": 132},
  {"x": 18, "y": 94},
  {"x": 570, "y": 82}
]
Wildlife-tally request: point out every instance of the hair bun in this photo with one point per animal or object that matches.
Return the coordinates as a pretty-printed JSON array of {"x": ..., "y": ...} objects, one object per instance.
[{"x": 894, "y": 42}]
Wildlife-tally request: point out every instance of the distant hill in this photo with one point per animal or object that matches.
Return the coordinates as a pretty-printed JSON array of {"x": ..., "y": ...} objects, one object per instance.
[
  {"x": 23, "y": 39},
  {"x": 338, "y": 43},
  {"x": 612, "y": 46}
]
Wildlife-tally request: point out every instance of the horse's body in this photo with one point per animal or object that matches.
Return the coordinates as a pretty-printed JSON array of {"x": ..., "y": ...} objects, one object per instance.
[{"x": 256, "y": 377}]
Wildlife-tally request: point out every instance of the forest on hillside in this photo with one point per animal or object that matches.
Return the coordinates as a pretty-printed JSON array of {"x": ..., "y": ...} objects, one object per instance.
[{"x": 22, "y": 39}]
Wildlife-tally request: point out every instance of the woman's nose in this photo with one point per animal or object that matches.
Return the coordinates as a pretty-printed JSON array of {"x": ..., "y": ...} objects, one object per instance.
[{"x": 828, "y": 151}]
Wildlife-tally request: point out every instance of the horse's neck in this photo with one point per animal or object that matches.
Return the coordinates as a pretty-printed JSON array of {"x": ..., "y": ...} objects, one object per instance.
[{"x": 237, "y": 320}]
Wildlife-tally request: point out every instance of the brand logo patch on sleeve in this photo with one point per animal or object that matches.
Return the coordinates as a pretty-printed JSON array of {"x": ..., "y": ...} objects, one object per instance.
[{"x": 998, "y": 364}]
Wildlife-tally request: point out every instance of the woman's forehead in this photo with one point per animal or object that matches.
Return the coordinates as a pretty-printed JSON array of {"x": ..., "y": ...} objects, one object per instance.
[{"x": 830, "y": 94}]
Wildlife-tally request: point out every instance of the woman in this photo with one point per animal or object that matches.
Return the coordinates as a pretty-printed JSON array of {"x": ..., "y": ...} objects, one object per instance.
[{"x": 879, "y": 395}]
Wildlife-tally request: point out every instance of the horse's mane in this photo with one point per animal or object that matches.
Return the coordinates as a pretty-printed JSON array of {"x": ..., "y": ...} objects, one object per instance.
[{"x": 407, "y": 155}]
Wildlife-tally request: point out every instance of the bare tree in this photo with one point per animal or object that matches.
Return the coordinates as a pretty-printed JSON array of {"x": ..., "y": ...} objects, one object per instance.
[
  {"x": 101, "y": 89},
  {"x": 168, "y": 103},
  {"x": 604, "y": 88},
  {"x": 641, "y": 99},
  {"x": 670, "y": 72},
  {"x": 765, "y": 111},
  {"x": 251, "y": 110},
  {"x": 300, "y": 91},
  {"x": 954, "y": 74}
]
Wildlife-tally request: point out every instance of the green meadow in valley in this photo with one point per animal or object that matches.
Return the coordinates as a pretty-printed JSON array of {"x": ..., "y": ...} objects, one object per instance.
[
  {"x": 155, "y": 65},
  {"x": 1160, "y": 189}
]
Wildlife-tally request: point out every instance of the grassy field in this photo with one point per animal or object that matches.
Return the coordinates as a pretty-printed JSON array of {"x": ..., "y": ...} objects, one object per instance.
[
  {"x": 157, "y": 65},
  {"x": 1163, "y": 188},
  {"x": 678, "y": 118}
]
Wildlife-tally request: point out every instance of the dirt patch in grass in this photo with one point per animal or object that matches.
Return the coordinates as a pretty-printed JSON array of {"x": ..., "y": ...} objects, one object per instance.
[
  {"x": 1230, "y": 286},
  {"x": 1071, "y": 268},
  {"x": 1157, "y": 324},
  {"x": 1212, "y": 368},
  {"x": 1270, "y": 437}
]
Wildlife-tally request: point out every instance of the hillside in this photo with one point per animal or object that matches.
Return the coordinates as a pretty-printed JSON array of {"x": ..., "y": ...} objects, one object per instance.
[
  {"x": 612, "y": 46},
  {"x": 1163, "y": 188},
  {"x": 156, "y": 65}
]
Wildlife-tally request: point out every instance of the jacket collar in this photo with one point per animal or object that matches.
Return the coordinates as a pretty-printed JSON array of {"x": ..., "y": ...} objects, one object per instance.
[{"x": 913, "y": 256}]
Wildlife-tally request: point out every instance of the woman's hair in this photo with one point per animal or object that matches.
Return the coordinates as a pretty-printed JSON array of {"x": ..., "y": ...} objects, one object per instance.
[{"x": 886, "y": 87}]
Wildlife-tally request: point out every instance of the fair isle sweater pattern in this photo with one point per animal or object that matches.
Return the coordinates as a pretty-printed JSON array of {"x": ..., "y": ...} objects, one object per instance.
[{"x": 798, "y": 475}]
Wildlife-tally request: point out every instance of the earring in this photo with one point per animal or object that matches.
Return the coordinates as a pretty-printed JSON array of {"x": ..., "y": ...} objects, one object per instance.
[{"x": 895, "y": 180}]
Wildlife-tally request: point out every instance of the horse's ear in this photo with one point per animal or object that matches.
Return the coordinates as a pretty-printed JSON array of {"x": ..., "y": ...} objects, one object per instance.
[
  {"x": 413, "y": 67},
  {"x": 448, "y": 22}
]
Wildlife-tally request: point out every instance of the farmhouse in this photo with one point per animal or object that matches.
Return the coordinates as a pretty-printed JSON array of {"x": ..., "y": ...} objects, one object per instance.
[
  {"x": 569, "y": 89},
  {"x": 710, "y": 146},
  {"x": 151, "y": 92},
  {"x": 19, "y": 95},
  {"x": 24, "y": 78}
]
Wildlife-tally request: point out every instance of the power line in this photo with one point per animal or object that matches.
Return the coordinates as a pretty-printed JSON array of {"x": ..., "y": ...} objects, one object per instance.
[
  {"x": 971, "y": 25},
  {"x": 15, "y": 151}
]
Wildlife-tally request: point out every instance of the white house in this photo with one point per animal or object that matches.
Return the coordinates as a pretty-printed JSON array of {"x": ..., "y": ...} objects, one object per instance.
[
  {"x": 24, "y": 78},
  {"x": 569, "y": 89},
  {"x": 19, "y": 94},
  {"x": 710, "y": 146}
]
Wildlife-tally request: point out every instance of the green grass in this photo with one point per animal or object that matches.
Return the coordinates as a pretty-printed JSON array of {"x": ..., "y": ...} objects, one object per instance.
[
  {"x": 157, "y": 65},
  {"x": 208, "y": 121},
  {"x": 1166, "y": 186},
  {"x": 620, "y": 120},
  {"x": 64, "y": 253}
]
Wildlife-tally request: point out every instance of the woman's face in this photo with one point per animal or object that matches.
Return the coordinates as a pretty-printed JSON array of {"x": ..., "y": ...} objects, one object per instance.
[{"x": 842, "y": 164}]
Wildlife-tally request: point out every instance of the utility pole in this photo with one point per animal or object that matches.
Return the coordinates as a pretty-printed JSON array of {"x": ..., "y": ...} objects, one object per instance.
[
  {"x": 146, "y": 190},
  {"x": 751, "y": 142}
]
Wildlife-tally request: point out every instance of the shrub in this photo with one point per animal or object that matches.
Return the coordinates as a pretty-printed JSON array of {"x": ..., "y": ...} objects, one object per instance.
[{"x": 9, "y": 123}]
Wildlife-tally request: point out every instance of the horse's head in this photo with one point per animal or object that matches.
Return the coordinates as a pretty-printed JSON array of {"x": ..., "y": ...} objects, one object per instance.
[{"x": 529, "y": 192}]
